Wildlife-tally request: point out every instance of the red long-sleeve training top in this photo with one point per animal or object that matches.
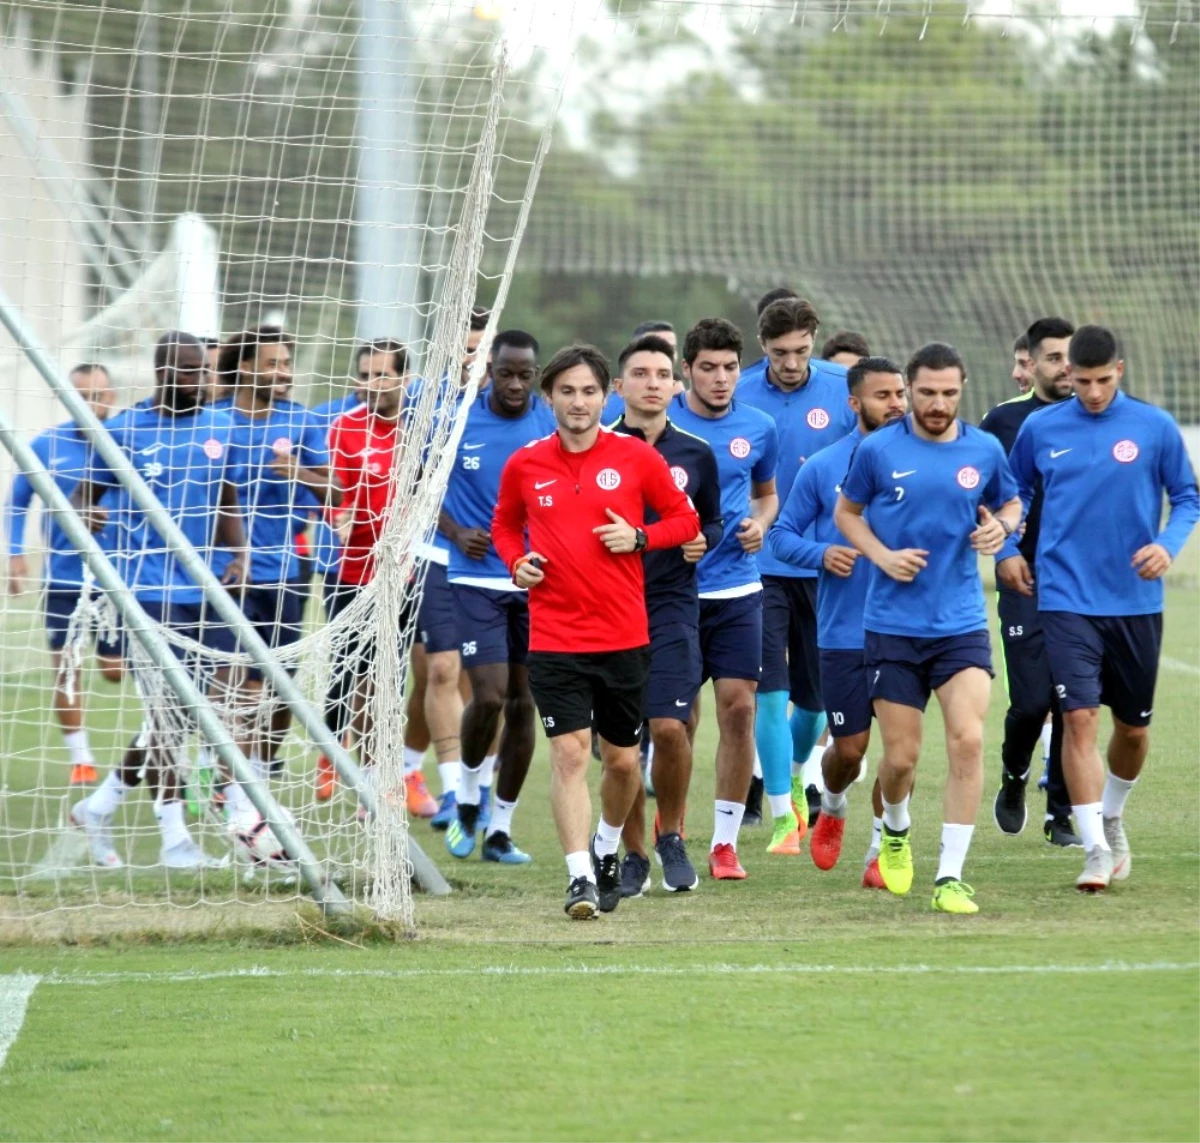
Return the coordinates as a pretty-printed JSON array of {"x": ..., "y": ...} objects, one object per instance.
[
  {"x": 363, "y": 449},
  {"x": 591, "y": 600}
]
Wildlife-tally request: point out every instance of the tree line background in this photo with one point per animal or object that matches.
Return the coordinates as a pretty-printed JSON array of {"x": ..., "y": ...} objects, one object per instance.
[{"x": 915, "y": 177}]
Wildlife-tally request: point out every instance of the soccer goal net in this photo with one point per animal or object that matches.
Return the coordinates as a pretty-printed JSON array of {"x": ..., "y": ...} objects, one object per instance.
[{"x": 316, "y": 200}]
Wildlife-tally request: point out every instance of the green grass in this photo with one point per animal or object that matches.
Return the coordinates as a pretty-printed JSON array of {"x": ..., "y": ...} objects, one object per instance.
[{"x": 793, "y": 1006}]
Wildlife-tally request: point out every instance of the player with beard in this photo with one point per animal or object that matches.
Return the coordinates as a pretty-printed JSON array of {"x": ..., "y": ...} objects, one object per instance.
[
  {"x": 283, "y": 462},
  {"x": 1031, "y": 696},
  {"x": 924, "y": 498},
  {"x": 805, "y": 535},
  {"x": 182, "y": 450}
]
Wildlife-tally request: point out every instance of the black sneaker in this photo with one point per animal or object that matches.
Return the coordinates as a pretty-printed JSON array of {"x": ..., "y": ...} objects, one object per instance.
[
  {"x": 583, "y": 903},
  {"x": 635, "y": 875},
  {"x": 678, "y": 874},
  {"x": 1009, "y": 808},
  {"x": 813, "y": 797},
  {"x": 753, "y": 814},
  {"x": 608, "y": 880},
  {"x": 1058, "y": 831}
]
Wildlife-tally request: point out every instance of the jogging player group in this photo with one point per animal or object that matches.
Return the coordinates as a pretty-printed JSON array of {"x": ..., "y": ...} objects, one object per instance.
[{"x": 805, "y": 532}]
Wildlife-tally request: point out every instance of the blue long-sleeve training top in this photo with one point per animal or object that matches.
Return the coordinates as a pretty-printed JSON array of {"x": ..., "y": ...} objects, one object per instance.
[{"x": 1103, "y": 478}]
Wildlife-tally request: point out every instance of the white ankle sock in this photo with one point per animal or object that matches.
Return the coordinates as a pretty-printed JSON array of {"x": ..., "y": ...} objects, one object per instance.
[
  {"x": 780, "y": 804},
  {"x": 876, "y": 833},
  {"x": 469, "y": 782},
  {"x": 77, "y": 743},
  {"x": 895, "y": 817},
  {"x": 502, "y": 813},
  {"x": 108, "y": 795},
  {"x": 448, "y": 774},
  {"x": 956, "y": 840},
  {"x": 727, "y": 820},
  {"x": 1116, "y": 791},
  {"x": 833, "y": 804},
  {"x": 813, "y": 775},
  {"x": 412, "y": 760},
  {"x": 488, "y": 770},
  {"x": 579, "y": 864},
  {"x": 170, "y": 824},
  {"x": 1089, "y": 819},
  {"x": 607, "y": 838}
]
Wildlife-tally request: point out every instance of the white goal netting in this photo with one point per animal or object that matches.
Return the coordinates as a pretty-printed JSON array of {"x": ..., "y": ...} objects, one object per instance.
[{"x": 318, "y": 177}]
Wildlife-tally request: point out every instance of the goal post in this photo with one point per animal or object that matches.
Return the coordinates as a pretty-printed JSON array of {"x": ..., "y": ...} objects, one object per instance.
[
  {"x": 426, "y": 873},
  {"x": 322, "y": 889}
]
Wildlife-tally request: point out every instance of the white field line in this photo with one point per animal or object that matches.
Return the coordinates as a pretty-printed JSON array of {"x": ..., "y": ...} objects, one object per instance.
[
  {"x": 261, "y": 972},
  {"x": 15, "y": 992},
  {"x": 1180, "y": 665}
]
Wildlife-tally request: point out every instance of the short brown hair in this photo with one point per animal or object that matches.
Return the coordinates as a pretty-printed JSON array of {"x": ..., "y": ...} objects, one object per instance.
[
  {"x": 572, "y": 355},
  {"x": 846, "y": 341},
  {"x": 787, "y": 316}
]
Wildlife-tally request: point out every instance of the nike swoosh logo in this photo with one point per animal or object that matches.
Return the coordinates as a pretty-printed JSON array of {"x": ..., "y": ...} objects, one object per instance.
[
  {"x": 544, "y": 483},
  {"x": 152, "y": 449},
  {"x": 472, "y": 448},
  {"x": 729, "y": 812},
  {"x": 678, "y": 703},
  {"x": 1058, "y": 453},
  {"x": 898, "y": 475},
  {"x": 1147, "y": 713}
]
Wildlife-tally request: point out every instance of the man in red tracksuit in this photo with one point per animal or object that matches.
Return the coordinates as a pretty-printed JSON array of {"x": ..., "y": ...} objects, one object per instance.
[
  {"x": 581, "y": 494},
  {"x": 364, "y": 448}
]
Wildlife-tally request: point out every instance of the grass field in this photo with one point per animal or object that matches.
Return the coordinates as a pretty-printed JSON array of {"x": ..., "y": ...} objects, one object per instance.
[{"x": 793, "y": 1006}]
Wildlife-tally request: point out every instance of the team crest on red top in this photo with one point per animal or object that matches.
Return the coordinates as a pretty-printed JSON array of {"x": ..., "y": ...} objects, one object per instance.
[
  {"x": 740, "y": 447},
  {"x": 281, "y": 446},
  {"x": 818, "y": 419},
  {"x": 608, "y": 479},
  {"x": 1125, "y": 451},
  {"x": 213, "y": 449},
  {"x": 968, "y": 477},
  {"x": 680, "y": 476}
]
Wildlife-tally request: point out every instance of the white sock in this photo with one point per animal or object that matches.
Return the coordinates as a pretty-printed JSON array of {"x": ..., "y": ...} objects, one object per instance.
[
  {"x": 607, "y": 838},
  {"x": 469, "y": 782},
  {"x": 108, "y": 795},
  {"x": 797, "y": 769},
  {"x": 1047, "y": 732},
  {"x": 727, "y": 820},
  {"x": 260, "y": 767},
  {"x": 1116, "y": 791},
  {"x": 876, "y": 833},
  {"x": 237, "y": 800},
  {"x": 757, "y": 766},
  {"x": 956, "y": 840},
  {"x": 170, "y": 824},
  {"x": 1091, "y": 825},
  {"x": 579, "y": 864},
  {"x": 204, "y": 758},
  {"x": 448, "y": 773},
  {"x": 487, "y": 770},
  {"x": 813, "y": 775},
  {"x": 833, "y": 804},
  {"x": 502, "y": 813},
  {"x": 895, "y": 817},
  {"x": 77, "y": 743},
  {"x": 412, "y": 760},
  {"x": 864, "y": 768},
  {"x": 781, "y": 804}
]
